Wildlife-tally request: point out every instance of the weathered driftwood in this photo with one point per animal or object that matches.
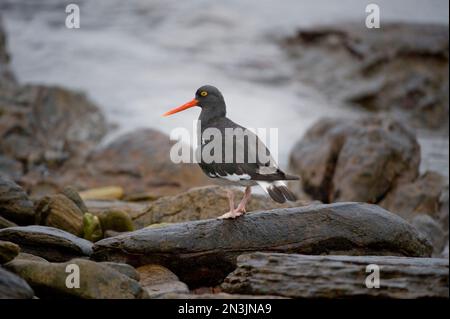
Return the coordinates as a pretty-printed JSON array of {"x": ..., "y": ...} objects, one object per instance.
[
  {"x": 303, "y": 276},
  {"x": 204, "y": 252}
]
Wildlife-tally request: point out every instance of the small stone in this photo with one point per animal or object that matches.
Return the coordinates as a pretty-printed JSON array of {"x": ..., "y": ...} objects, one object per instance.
[
  {"x": 116, "y": 220},
  {"x": 158, "y": 280},
  {"x": 4, "y": 223},
  {"x": 431, "y": 229},
  {"x": 73, "y": 195},
  {"x": 50, "y": 243},
  {"x": 125, "y": 269},
  {"x": 8, "y": 251},
  {"x": 92, "y": 227}
]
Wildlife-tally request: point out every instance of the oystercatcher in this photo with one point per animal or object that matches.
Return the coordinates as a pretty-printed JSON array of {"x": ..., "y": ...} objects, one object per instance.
[{"x": 248, "y": 170}]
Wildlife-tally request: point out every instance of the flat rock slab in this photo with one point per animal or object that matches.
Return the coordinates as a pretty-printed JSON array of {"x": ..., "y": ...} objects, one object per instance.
[
  {"x": 50, "y": 243},
  {"x": 302, "y": 276},
  {"x": 13, "y": 287},
  {"x": 202, "y": 253}
]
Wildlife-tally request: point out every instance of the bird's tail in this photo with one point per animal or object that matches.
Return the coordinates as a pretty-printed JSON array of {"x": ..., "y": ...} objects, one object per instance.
[{"x": 278, "y": 191}]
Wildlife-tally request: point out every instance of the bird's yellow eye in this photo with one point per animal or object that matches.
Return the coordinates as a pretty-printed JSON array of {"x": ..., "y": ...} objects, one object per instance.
[{"x": 203, "y": 93}]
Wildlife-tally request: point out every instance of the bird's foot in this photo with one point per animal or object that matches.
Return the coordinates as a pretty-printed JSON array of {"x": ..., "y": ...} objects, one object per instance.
[{"x": 232, "y": 214}]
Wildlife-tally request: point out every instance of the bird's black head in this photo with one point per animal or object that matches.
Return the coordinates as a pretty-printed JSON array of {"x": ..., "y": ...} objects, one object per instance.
[{"x": 207, "y": 97}]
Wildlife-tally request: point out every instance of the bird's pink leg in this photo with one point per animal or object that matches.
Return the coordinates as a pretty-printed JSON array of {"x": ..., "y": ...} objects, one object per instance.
[
  {"x": 233, "y": 213},
  {"x": 245, "y": 199}
]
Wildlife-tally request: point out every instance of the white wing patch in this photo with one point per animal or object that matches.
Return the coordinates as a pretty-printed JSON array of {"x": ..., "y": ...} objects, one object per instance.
[
  {"x": 266, "y": 185},
  {"x": 235, "y": 178}
]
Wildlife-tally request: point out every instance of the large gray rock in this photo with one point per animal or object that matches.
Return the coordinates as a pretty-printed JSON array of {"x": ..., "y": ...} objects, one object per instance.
[
  {"x": 13, "y": 287},
  {"x": 96, "y": 280},
  {"x": 47, "y": 242},
  {"x": 302, "y": 276},
  {"x": 204, "y": 252},
  {"x": 15, "y": 204},
  {"x": 355, "y": 160},
  {"x": 401, "y": 71}
]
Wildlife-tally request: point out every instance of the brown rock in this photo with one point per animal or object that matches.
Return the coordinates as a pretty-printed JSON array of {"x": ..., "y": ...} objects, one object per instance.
[
  {"x": 158, "y": 280},
  {"x": 355, "y": 160},
  {"x": 401, "y": 71},
  {"x": 8, "y": 251},
  {"x": 123, "y": 269},
  {"x": 141, "y": 163},
  {"x": 15, "y": 204},
  {"x": 99, "y": 206},
  {"x": 202, "y": 253},
  {"x": 45, "y": 127},
  {"x": 220, "y": 295},
  {"x": 419, "y": 197},
  {"x": 302, "y": 276},
  {"x": 200, "y": 203},
  {"x": 4, "y": 223},
  {"x": 60, "y": 212},
  {"x": 96, "y": 280},
  {"x": 6, "y": 75},
  {"x": 432, "y": 231}
]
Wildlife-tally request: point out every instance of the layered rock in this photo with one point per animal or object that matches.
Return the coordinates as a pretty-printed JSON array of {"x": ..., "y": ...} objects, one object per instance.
[
  {"x": 302, "y": 276},
  {"x": 47, "y": 242},
  {"x": 202, "y": 253}
]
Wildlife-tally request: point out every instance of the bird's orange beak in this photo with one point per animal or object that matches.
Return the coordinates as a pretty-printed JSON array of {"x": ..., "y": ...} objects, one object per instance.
[{"x": 183, "y": 107}]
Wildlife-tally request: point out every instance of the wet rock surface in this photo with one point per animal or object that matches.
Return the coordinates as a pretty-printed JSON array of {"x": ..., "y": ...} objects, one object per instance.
[
  {"x": 302, "y": 276},
  {"x": 201, "y": 203},
  {"x": 47, "y": 242},
  {"x": 402, "y": 71},
  {"x": 204, "y": 252}
]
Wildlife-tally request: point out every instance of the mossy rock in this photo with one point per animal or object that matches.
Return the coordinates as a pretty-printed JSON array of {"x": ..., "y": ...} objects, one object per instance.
[
  {"x": 116, "y": 220},
  {"x": 92, "y": 229}
]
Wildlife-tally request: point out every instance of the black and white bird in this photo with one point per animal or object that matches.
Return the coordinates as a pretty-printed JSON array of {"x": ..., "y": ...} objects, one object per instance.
[{"x": 247, "y": 170}]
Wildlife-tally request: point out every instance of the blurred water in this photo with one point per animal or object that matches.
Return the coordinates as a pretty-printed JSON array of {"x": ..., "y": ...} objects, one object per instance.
[{"x": 137, "y": 58}]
